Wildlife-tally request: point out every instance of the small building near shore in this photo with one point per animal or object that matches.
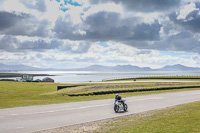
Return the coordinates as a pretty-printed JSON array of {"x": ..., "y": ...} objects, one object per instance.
[
  {"x": 47, "y": 79},
  {"x": 25, "y": 78}
]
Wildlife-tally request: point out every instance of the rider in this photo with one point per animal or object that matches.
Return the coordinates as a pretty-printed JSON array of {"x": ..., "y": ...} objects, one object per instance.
[{"x": 119, "y": 98}]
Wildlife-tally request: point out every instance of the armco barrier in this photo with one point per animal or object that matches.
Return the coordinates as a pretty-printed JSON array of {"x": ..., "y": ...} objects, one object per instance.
[
  {"x": 67, "y": 86},
  {"x": 133, "y": 90}
]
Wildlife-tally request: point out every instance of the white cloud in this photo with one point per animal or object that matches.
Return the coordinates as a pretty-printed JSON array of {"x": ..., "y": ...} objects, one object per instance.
[{"x": 39, "y": 32}]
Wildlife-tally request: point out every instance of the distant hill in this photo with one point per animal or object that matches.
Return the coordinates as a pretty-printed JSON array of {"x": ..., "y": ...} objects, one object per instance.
[
  {"x": 4, "y": 67},
  {"x": 94, "y": 68},
  {"x": 176, "y": 67},
  {"x": 131, "y": 68}
]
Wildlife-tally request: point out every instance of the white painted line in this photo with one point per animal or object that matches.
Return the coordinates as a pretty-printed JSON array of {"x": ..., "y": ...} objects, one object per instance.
[{"x": 52, "y": 111}]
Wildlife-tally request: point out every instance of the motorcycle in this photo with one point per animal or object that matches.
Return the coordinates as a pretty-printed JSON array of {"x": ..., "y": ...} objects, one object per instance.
[{"x": 118, "y": 106}]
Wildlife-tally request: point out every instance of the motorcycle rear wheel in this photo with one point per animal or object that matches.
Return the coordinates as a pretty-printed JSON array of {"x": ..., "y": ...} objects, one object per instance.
[{"x": 125, "y": 107}]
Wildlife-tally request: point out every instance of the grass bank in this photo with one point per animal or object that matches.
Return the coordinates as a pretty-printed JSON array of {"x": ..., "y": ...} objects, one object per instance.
[
  {"x": 179, "y": 119},
  {"x": 176, "y": 78},
  {"x": 125, "y": 86},
  {"x": 18, "y": 94}
]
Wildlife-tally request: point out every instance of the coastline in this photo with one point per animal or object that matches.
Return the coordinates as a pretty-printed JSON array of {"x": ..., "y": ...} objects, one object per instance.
[{"x": 14, "y": 75}]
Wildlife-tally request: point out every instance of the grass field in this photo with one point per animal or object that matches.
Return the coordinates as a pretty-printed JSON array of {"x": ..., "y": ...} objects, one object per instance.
[
  {"x": 18, "y": 94},
  {"x": 176, "y": 78},
  {"x": 179, "y": 119},
  {"x": 125, "y": 86}
]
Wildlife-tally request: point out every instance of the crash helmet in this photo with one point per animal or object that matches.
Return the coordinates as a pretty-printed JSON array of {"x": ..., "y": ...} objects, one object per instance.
[{"x": 117, "y": 94}]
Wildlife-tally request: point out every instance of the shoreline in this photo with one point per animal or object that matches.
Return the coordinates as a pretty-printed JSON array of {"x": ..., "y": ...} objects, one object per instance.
[{"x": 19, "y": 75}]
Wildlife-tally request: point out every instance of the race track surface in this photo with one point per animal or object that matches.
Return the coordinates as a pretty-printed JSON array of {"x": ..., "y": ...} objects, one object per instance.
[{"x": 37, "y": 118}]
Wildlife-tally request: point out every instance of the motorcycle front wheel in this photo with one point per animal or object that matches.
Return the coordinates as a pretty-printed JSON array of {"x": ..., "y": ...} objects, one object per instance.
[{"x": 116, "y": 108}]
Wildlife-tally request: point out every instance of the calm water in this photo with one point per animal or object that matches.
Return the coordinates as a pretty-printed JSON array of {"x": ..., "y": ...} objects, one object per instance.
[{"x": 86, "y": 76}]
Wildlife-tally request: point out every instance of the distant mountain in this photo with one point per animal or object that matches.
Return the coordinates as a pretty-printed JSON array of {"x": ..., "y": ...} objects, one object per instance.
[
  {"x": 130, "y": 68},
  {"x": 4, "y": 67},
  {"x": 95, "y": 68},
  {"x": 113, "y": 68},
  {"x": 176, "y": 67}
]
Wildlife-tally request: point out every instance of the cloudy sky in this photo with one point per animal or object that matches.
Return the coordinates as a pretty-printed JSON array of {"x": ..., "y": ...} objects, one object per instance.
[{"x": 79, "y": 33}]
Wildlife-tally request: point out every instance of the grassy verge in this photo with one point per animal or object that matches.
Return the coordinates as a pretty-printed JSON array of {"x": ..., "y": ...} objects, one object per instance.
[
  {"x": 176, "y": 78},
  {"x": 125, "y": 86},
  {"x": 179, "y": 119},
  {"x": 17, "y": 94}
]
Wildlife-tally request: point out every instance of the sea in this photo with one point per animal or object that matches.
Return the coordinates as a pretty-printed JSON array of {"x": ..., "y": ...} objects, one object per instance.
[{"x": 98, "y": 76}]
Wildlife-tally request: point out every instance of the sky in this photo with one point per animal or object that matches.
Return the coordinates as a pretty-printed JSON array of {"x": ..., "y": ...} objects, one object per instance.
[{"x": 79, "y": 33}]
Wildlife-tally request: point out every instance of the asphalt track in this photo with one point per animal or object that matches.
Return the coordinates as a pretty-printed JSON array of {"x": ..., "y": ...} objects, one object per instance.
[{"x": 37, "y": 118}]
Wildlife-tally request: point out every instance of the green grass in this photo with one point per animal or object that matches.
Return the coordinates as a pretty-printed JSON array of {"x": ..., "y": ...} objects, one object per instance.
[
  {"x": 10, "y": 74},
  {"x": 125, "y": 86},
  {"x": 18, "y": 94},
  {"x": 175, "y": 78},
  {"x": 179, "y": 119}
]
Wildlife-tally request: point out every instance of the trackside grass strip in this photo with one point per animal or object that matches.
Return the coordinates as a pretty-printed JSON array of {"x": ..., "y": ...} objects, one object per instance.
[{"x": 179, "y": 119}]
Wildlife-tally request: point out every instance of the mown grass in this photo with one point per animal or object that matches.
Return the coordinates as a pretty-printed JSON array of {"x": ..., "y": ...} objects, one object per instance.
[
  {"x": 175, "y": 78},
  {"x": 9, "y": 73},
  {"x": 125, "y": 86},
  {"x": 18, "y": 94},
  {"x": 179, "y": 119}
]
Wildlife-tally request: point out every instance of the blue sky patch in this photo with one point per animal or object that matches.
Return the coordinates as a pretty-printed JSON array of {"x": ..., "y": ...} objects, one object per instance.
[
  {"x": 103, "y": 44},
  {"x": 178, "y": 54},
  {"x": 71, "y": 3},
  {"x": 67, "y": 2},
  {"x": 64, "y": 9}
]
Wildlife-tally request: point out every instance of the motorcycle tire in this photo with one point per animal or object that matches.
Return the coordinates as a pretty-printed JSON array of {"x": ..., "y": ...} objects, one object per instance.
[
  {"x": 125, "y": 107},
  {"x": 116, "y": 108}
]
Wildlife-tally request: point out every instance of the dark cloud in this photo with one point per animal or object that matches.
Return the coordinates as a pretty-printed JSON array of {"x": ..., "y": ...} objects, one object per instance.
[
  {"x": 39, "y": 5},
  {"x": 183, "y": 41},
  {"x": 81, "y": 47},
  {"x": 105, "y": 26},
  {"x": 143, "y": 5},
  {"x": 22, "y": 24},
  {"x": 39, "y": 45},
  {"x": 12, "y": 44},
  {"x": 8, "y": 20},
  {"x": 65, "y": 29},
  {"x": 197, "y": 5},
  {"x": 191, "y": 21},
  {"x": 8, "y": 43},
  {"x": 147, "y": 31}
]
